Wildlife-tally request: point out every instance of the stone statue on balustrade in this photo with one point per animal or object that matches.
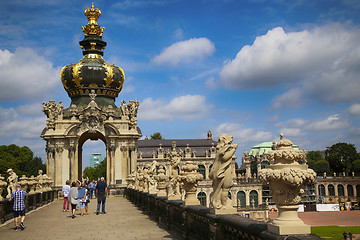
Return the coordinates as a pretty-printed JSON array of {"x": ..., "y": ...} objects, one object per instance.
[
  {"x": 173, "y": 188},
  {"x": 221, "y": 175},
  {"x": 140, "y": 180},
  {"x": 2, "y": 185},
  {"x": 131, "y": 180},
  {"x": 146, "y": 178},
  {"x": 152, "y": 183},
  {"x": 40, "y": 181},
  {"x": 12, "y": 181}
]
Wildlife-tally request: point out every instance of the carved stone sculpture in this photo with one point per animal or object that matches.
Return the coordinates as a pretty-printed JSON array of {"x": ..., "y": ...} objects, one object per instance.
[
  {"x": 2, "y": 185},
  {"x": 40, "y": 182},
  {"x": 161, "y": 179},
  {"x": 221, "y": 175},
  {"x": 146, "y": 178},
  {"x": 32, "y": 184},
  {"x": 131, "y": 180},
  {"x": 151, "y": 179},
  {"x": 286, "y": 178},
  {"x": 190, "y": 178},
  {"x": 24, "y": 182},
  {"x": 173, "y": 191},
  {"x": 140, "y": 180},
  {"x": 12, "y": 181}
]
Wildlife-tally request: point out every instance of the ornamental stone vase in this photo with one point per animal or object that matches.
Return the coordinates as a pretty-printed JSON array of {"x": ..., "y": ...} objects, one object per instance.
[
  {"x": 32, "y": 183},
  {"x": 23, "y": 182},
  {"x": 286, "y": 178},
  {"x": 190, "y": 178},
  {"x": 2, "y": 185},
  {"x": 162, "y": 180}
]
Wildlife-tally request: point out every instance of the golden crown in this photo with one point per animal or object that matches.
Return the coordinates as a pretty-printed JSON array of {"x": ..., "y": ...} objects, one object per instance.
[{"x": 92, "y": 27}]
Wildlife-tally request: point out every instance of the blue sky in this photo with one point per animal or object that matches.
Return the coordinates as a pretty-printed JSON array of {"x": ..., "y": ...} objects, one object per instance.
[{"x": 250, "y": 68}]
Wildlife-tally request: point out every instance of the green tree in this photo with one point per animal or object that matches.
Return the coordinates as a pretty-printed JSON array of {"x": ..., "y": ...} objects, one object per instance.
[
  {"x": 312, "y": 164},
  {"x": 97, "y": 172},
  {"x": 356, "y": 166},
  {"x": 20, "y": 159},
  {"x": 156, "y": 136},
  {"x": 314, "y": 155},
  {"x": 341, "y": 156},
  {"x": 322, "y": 166}
]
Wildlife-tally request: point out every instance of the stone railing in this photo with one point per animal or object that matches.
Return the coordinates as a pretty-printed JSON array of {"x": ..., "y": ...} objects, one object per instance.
[
  {"x": 196, "y": 221},
  {"x": 33, "y": 202}
]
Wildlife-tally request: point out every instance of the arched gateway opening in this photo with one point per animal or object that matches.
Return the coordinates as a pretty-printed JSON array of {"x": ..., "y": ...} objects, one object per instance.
[
  {"x": 93, "y": 85},
  {"x": 97, "y": 136}
]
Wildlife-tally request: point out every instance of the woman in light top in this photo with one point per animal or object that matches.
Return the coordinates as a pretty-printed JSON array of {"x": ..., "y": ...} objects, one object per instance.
[
  {"x": 66, "y": 190},
  {"x": 73, "y": 196}
]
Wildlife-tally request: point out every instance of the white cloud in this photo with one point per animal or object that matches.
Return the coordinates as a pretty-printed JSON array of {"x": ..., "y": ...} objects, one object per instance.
[
  {"x": 178, "y": 34},
  {"x": 291, "y": 98},
  {"x": 243, "y": 135},
  {"x": 323, "y": 62},
  {"x": 332, "y": 122},
  {"x": 184, "y": 107},
  {"x": 354, "y": 109},
  {"x": 24, "y": 74},
  {"x": 185, "y": 51},
  {"x": 291, "y": 132}
]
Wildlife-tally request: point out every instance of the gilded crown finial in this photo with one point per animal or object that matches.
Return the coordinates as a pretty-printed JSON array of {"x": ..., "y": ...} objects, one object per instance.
[{"x": 92, "y": 27}]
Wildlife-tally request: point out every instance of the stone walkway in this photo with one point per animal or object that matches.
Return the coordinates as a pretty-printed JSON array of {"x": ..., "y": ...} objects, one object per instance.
[{"x": 122, "y": 221}]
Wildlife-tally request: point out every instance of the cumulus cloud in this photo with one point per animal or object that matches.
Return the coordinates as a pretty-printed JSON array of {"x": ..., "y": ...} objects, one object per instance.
[
  {"x": 23, "y": 127},
  {"x": 332, "y": 122},
  {"x": 185, "y": 51},
  {"x": 354, "y": 109},
  {"x": 243, "y": 135},
  {"x": 184, "y": 107},
  {"x": 323, "y": 62},
  {"x": 24, "y": 74},
  {"x": 291, "y": 132},
  {"x": 291, "y": 98}
]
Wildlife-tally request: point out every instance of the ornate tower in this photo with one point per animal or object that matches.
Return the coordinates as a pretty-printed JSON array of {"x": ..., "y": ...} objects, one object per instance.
[{"x": 93, "y": 85}]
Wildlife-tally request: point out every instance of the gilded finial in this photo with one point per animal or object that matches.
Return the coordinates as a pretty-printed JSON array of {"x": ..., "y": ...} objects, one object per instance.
[{"x": 92, "y": 27}]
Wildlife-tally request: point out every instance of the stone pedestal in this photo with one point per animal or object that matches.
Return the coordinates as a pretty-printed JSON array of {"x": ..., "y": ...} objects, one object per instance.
[{"x": 288, "y": 222}]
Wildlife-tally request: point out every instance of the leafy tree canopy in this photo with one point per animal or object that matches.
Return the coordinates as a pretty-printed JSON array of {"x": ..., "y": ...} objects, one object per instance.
[
  {"x": 156, "y": 136},
  {"x": 341, "y": 156},
  {"x": 96, "y": 172},
  {"x": 314, "y": 155},
  {"x": 21, "y": 160}
]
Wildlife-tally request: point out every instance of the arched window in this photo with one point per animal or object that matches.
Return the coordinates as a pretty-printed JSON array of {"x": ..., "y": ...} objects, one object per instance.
[
  {"x": 202, "y": 198},
  {"x": 210, "y": 167},
  {"x": 229, "y": 195},
  {"x": 253, "y": 168},
  {"x": 341, "y": 190},
  {"x": 350, "y": 190},
  {"x": 254, "y": 196},
  {"x": 202, "y": 170},
  {"x": 331, "y": 190},
  {"x": 358, "y": 190},
  {"x": 241, "y": 199},
  {"x": 321, "y": 189}
]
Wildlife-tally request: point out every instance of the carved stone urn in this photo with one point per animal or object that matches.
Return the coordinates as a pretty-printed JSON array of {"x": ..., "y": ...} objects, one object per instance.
[
  {"x": 32, "y": 183},
  {"x": 2, "y": 185},
  {"x": 162, "y": 180},
  {"x": 24, "y": 182},
  {"x": 190, "y": 178},
  {"x": 286, "y": 178}
]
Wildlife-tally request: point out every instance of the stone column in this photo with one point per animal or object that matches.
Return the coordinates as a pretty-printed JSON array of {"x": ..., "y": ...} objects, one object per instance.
[
  {"x": 111, "y": 149},
  {"x": 286, "y": 178},
  {"x": 72, "y": 160},
  {"x": 50, "y": 163},
  {"x": 59, "y": 148}
]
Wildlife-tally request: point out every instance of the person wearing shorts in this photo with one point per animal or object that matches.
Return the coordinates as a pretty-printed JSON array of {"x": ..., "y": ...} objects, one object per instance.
[
  {"x": 83, "y": 199},
  {"x": 73, "y": 196},
  {"x": 19, "y": 207}
]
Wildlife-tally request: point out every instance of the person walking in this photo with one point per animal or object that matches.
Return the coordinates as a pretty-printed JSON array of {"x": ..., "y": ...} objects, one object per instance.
[
  {"x": 350, "y": 235},
  {"x": 73, "y": 196},
  {"x": 91, "y": 188},
  {"x": 66, "y": 190},
  {"x": 345, "y": 235},
  {"x": 83, "y": 199},
  {"x": 101, "y": 192},
  {"x": 19, "y": 206}
]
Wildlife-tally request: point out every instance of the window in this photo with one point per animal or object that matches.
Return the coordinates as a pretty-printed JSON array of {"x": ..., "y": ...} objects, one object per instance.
[
  {"x": 202, "y": 198},
  {"x": 254, "y": 196},
  {"x": 340, "y": 190},
  {"x": 358, "y": 190},
  {"x": 350, "y": 190},
  {"x": 241, "y": 199},
  {"x": 321, "y": 189},
  {"x": 331, "y": 190},
  {"x": 201, "y": 170}
]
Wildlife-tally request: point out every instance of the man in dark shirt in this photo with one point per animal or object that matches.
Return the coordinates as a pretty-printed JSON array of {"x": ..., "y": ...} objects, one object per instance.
[{"x": 101, "y": 192}]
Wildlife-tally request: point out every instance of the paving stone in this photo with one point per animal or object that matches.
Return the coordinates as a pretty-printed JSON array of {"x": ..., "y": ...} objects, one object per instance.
[{"x": 122, "y": 221}]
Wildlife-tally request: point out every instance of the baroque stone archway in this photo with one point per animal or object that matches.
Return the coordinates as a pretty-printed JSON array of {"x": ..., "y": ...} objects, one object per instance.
[{"x": 93, "y": 86}]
